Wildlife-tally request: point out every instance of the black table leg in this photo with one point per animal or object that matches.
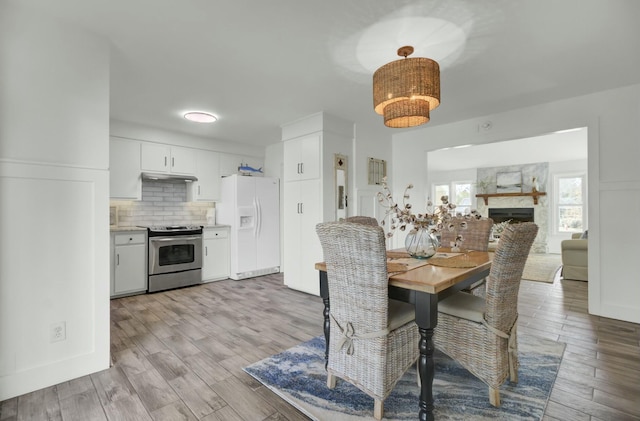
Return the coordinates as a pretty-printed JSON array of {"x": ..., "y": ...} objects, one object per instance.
[
  {"x": 426, "y": 319},
  {"x": 324, "y": 293}
]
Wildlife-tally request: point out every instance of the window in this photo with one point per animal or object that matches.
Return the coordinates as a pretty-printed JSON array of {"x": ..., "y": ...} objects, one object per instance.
[
  {"x": 570, "y": 209},
  {"x": 439, "y": 190},
  {"x": 460, "y": 193}
]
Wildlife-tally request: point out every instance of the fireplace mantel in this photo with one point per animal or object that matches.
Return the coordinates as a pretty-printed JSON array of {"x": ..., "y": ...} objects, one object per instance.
[{"x": 535, "y": 196}]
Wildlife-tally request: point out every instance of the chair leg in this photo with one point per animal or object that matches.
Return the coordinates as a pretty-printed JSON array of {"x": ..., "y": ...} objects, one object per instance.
[
  {"x": 331, "y": 381},
  {"x": 513, "y": 365},
  {"x": 378, "y": 409},
  {"x": 513, "y": 371},
  {"x": 494, "y": 396}
]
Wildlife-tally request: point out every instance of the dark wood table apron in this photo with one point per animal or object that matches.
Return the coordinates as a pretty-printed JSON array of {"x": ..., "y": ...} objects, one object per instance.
[{"x": 426, "y": 304}]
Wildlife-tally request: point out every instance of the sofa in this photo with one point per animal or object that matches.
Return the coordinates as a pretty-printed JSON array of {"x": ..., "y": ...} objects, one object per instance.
[{"x": 574, "y": 257}]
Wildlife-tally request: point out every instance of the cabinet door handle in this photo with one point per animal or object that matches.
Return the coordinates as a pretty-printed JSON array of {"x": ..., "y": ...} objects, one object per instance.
[
  {"x": 173, "y": 162},
  {"x": 302, "y": 168},
  {"x": 117, "y": 259},
  {"x": 206, "y": 251},
  {"x": 198, "y": 190},
  {"x": 301, "y": 207},
  {"x": 165, "y": 161}
]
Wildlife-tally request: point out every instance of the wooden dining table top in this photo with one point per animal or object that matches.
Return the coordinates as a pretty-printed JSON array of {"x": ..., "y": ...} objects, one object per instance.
[{"x": 421, "y": 275}]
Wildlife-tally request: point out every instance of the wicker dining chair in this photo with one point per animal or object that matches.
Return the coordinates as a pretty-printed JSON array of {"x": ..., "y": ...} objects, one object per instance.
[
  {"x": 373, "y": 340},
  {"x": 480, "y": 333},
  {"x": 366, "y": 220},
  {"x": 475, "y": 237}
]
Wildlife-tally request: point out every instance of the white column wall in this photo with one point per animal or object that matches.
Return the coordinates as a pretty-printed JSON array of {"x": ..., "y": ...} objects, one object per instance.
[
  {"x": 54, "y": 190},
  {"x": 614, "y": 179},
  {"x": 371, "y": 142}
]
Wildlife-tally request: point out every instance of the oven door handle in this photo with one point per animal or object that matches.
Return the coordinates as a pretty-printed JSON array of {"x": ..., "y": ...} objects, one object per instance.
[{"x": 175, "y": 239}]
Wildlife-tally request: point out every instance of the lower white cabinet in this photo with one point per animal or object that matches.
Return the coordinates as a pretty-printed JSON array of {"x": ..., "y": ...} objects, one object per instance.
[
  {"x": 129, "y": 263},
  {"x": 215, "y": 250},
  {"x": 302, "y": 249}
]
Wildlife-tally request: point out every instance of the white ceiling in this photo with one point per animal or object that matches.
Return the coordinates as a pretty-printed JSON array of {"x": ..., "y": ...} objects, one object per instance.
[
  {"x": 570, "y": 145},
  {"x": 258, "y": 64}
]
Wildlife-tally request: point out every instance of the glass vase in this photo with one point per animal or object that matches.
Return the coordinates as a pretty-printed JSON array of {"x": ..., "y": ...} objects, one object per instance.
[{"x": 421, "y": 244}]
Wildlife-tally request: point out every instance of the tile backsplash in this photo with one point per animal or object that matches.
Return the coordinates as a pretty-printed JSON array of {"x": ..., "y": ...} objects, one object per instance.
[{"x": 163, "y": 203}]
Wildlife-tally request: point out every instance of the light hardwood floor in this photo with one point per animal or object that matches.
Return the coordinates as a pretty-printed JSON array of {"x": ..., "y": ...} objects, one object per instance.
[{"x": 179, "y": 355}]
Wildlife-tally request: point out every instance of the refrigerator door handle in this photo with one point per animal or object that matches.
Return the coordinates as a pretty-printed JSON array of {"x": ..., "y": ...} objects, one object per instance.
[
  {"x": 255, "y": 218},
  {"x": 258, "y": 210}
]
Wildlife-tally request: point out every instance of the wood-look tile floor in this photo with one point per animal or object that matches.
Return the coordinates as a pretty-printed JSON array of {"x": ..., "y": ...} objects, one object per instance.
[{"x": 178, "y": 355}]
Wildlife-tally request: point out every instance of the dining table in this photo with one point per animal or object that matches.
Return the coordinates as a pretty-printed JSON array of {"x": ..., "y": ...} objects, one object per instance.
[{"x": 422, "y": 282}]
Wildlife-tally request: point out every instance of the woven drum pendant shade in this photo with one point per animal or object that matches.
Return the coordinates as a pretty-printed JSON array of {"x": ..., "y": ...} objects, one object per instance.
[
  {"x": 406, "y": 113},
  {"x": 405, "y": 90}
]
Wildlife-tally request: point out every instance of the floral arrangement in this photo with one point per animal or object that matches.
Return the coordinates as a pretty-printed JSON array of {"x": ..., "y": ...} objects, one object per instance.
[{"x": 435, "y": 218}]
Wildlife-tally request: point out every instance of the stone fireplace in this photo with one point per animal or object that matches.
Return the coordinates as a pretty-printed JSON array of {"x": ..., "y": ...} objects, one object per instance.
[
  {"x": 516, "y": 206},
  {"x": 520, "y": 209}
]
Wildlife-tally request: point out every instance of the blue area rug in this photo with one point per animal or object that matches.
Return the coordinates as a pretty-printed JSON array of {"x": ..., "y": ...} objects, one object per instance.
[{"x": 298, "y": 376}]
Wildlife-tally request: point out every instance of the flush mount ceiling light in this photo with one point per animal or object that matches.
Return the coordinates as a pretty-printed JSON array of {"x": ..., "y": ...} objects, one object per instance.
[
  {"x": 406, "y": 90},
  {"x": 200, "y": 117}
]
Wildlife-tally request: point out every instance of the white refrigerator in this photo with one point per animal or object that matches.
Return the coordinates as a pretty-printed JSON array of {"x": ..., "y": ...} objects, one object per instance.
[{"x": 251, "y": 207}]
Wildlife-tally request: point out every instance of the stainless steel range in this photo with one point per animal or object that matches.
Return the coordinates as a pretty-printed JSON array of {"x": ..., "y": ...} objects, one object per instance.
[{"x": 174, "y": 257}]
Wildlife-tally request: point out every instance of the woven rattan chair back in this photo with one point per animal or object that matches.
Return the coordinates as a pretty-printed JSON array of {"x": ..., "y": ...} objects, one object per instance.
[
  {"x": 365, "y": 220},
  {"x": 488, "y": 348},
  {"x": 365, "y": 348},
  {"x": 356, "y": 260},
  {"x": 503, "y": 283},
  {"x": 476, "y": 235}
]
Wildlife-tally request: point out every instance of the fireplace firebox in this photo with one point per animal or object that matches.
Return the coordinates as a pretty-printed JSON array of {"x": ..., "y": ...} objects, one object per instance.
[{"x": 515, "y": 215}]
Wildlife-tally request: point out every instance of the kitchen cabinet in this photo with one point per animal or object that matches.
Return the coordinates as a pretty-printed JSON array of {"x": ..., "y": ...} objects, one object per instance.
[
  {"x": 302, "y": 158},
  {"x": 129, "y": 263},
  {"x": 207, "y": 188},
  {"x": 310, "y": 192},
  {"x": 124, "y": 169},
  {"x": 215, "y": 250},
  {"x": 168, "y": 159},
  {"x": 302, "y": 249}
]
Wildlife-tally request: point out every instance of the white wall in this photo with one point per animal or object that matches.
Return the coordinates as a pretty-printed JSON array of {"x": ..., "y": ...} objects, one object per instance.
[
  {"x": 54, "y": 196},
  {"x": 370, "y": 142},
  {"x": 614, "y": 178}
]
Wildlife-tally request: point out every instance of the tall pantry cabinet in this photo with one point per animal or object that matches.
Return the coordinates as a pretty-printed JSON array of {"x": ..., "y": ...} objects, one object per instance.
[{"x": 309, "y": 191}]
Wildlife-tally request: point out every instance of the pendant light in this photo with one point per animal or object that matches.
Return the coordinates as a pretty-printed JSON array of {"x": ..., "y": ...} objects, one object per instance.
[{"x": 406, "y": 90}]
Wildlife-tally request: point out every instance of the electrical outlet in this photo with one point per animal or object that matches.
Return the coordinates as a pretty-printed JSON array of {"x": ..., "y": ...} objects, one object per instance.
[{"x": 58, "y": 331}]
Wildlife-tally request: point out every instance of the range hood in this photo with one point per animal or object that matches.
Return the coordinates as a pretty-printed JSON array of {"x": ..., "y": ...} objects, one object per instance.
[{"x": 169, "y": 177}]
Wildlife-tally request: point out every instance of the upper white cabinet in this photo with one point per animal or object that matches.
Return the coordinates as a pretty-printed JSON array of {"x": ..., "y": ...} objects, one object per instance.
[
  {"x": 207, "y": 188},
  {"x": 302, "y": 158},
  {"x": 171, "y": 159},
  {"x": 124, "y": 169}
]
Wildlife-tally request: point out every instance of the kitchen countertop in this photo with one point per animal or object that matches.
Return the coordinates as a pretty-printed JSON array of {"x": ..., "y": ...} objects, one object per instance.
[
  {"x": 134, "y": 228},
  {"x": 118, "y": 229}
]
